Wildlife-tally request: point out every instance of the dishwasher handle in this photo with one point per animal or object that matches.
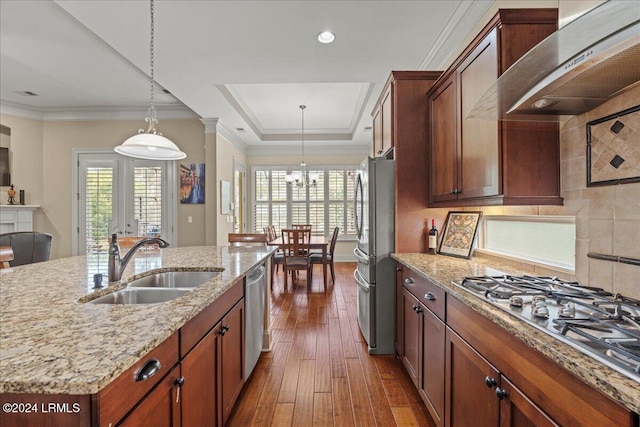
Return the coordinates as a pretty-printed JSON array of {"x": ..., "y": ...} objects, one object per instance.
[{"x": 256, "y": 275}]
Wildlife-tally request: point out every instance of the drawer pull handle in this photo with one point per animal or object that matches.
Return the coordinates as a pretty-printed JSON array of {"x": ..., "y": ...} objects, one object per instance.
[
  {"x": 409, "y": 281},
  {"x": 148, "y": 370},
  {"x": 429, "y": 296}
]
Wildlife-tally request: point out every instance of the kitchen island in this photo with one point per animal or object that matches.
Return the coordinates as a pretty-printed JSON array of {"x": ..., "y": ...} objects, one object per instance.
[
  {"x": 53, "y": 341},
  {"x": 470, "y": 319}
]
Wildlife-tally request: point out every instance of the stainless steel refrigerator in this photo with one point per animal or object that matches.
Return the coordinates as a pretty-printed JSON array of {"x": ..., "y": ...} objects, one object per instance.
[{"x": 375, "y": 272}]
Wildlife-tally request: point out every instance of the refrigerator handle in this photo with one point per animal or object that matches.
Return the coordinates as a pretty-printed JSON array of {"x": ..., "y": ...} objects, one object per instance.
[
  {"x": 361, "y": 256},
  {"x": 360, "y": 281}
]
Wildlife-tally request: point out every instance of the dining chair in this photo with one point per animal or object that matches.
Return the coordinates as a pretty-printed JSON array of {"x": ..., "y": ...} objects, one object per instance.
[
  {"x": 277, "y": 259},
  {"x": 317, "y": 258},
  {"x": 301, "y": 226},
  {"x": 247, "y": 239},
  {"x": 6, "y": 255},
  {"x": 295, "y": 248},
  {"x": 28, "y": 246}
]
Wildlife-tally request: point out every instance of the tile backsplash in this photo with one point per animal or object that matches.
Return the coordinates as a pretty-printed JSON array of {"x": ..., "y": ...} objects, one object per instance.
[{"x": 607, "y": 218}]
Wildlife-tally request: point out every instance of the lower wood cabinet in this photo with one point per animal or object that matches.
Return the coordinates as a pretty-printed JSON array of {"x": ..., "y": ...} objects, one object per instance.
[
  {"x": 477, "y": 394},
  {"x": 231, "y": 358},
  {"x": 213, "y": 373},
  {"x": 423, "y": 352},
  {"x": 199, "y": 370},
  {"x": 471, "y": 372}
]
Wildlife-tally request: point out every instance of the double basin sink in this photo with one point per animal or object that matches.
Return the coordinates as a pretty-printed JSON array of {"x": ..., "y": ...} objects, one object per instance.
[{"x": 158, "y": 287}]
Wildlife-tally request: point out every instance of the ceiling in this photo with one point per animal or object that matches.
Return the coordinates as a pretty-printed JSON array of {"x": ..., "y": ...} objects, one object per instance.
[{"x": 248, "y": 63}]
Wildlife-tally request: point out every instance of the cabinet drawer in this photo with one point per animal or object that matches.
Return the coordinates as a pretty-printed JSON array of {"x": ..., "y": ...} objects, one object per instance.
[
  {"x": 429, "y": 294},
  {"x": 114, "y": 401}
]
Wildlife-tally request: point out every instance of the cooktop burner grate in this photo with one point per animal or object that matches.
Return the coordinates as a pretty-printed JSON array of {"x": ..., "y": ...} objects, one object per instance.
[{"x": 603, "y": 325}]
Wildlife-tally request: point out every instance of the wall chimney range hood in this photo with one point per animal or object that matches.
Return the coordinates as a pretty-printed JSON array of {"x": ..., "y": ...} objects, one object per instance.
[{"x": 577, "y": 68}]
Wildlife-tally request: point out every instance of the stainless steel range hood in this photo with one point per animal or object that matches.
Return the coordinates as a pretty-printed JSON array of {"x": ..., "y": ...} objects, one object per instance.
[{"x": 577, "y": 68}]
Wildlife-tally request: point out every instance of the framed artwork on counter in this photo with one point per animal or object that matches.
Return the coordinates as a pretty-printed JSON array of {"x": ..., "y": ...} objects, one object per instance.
[{"x": 459, "y": 233}]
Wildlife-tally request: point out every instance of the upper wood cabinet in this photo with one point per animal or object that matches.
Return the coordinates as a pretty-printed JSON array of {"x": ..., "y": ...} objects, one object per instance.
[
  {"x": 400, "y": 130},
  {"x": 486, "y": 162}
]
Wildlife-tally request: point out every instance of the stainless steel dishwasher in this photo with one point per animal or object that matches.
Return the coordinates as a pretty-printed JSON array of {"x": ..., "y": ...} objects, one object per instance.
[{"x": 254, "y": 317}]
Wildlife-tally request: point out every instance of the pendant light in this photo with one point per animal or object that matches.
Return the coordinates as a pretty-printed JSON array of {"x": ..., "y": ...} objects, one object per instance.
[
  {"x": 150, "y": 144},
  {"x": 302, "y": 177}
]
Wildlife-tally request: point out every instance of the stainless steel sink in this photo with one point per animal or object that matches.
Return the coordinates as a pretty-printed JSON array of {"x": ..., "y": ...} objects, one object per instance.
[
  {"x": 174, "y": 279},
  {"x": 140, "y": 296}
]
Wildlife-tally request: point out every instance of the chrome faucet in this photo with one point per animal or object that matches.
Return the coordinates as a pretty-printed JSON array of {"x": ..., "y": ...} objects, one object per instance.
[{"x": 117, "y": 265}]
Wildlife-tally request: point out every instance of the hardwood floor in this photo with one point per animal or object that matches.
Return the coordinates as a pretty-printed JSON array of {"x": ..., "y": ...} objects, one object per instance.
[{"x": 319, "y": 372}]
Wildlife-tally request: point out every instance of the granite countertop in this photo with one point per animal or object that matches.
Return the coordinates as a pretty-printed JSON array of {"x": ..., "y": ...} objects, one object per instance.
[
  {"x": 53, "y": 342},
  {"x": 442, "y": 270}
]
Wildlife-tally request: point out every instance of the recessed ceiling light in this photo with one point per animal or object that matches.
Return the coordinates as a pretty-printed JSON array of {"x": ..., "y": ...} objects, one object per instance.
[
  {"x": 240, "y": 129},
  {"x": 326, "y": 37},
  {"x": 28, "y": 93}
]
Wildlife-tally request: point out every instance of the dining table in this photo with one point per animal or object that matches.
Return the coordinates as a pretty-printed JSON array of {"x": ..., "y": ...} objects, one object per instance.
[{"x": 316, "y": 242}]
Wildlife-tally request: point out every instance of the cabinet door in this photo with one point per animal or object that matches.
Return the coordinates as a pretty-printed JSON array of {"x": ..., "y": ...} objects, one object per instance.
[
  {"x": 479, "y": 156},
  {"x": 443, "y": 142},
  {"x": 387, "y": 120},
  {"x": 516, "y": 410},
  {"x": 470, "y": 386},
  {"x": 433, "y": 365},
  {"x": 412, "y": 335},
  {"x": 377, "y": 133},
  {"x": 399, "y": 339},
  {"x": 231, "y": 372},
  {"x": 161, "y": 407},
  {"x": 199, "y": 394}
]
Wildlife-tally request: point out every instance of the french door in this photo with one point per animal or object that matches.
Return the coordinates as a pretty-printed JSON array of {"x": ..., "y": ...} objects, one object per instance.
[{"x": 122, "y": 196}]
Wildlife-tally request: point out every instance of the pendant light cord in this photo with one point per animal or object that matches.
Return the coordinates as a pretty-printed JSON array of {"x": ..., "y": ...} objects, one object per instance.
[
  {"x": 152, "y": 108},
  {"x": 302, "y": 107}
]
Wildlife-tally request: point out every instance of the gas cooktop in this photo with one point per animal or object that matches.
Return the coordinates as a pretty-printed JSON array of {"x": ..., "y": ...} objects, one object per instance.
[{"x": 596, "y": 322}]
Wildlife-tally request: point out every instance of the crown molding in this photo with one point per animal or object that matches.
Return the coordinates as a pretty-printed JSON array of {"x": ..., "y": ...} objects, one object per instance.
[
  {"x": 19, "y": 110},
  {"x": 449, "y": 38},
  {"x": 280, "y": 150},
  {"x": 232, "y": 139},
  {"x": 94, "y": 113}
]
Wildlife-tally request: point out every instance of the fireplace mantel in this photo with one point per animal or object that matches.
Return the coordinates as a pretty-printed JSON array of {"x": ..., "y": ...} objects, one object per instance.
[{"x": 16, "y": 218}]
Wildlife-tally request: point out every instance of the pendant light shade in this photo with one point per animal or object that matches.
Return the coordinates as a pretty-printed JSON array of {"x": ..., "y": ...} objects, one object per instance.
[{"x": 150, "y": 144}]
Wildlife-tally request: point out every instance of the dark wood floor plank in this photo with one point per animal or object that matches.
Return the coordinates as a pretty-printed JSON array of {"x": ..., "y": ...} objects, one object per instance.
[
  {"x": 322, "y": 410},
  {"x": 319, "y": 372},
  {"x": 342, "y": 405},
  {"x": 337, "y": 356},
  {"x": 375, "y": 388},
  {"x": 283, "y": 415},
  {"x": 362, "y": 411},
  {"x": 303, "y": 410},
  {"x": 323, "y": 361},
  {"x": 247, "y": 403}
]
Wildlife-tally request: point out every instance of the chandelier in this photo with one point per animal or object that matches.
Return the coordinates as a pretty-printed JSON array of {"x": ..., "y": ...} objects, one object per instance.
[
  {"x": 302, "y": 177},
  {"x": 150, "y": 144}
]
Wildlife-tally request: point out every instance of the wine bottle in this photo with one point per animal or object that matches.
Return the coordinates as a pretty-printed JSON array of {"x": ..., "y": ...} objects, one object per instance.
[{"x": 433, "y": 238}]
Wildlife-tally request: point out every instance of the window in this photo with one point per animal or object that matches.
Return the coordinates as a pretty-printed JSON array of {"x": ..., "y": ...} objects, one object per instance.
[
  {"x": 545, "y": 240},
  {"x": 121, "y": 195},
  {"x": 328, "y": 205}
]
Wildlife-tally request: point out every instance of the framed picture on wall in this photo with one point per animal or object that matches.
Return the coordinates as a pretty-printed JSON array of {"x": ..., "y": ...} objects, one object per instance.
[
  {"x": 192, "y": 183},
  {"x": 459, "y": 233}
]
